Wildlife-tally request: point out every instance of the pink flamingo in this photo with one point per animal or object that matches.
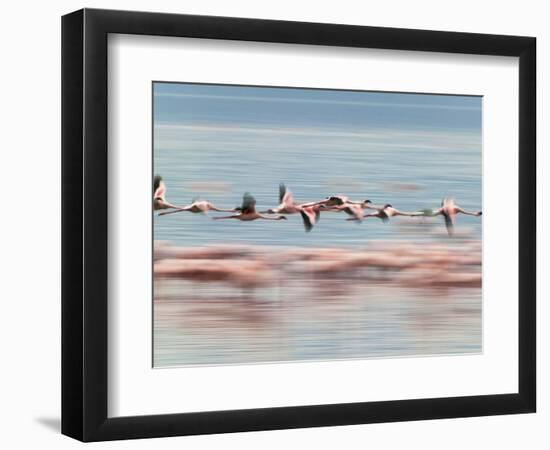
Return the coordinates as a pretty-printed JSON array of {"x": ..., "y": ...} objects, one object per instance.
[
  {"x": 287, "y": 204},
  {"x": 449, "y": 210},
  {"x": 351, "y": 208},
  {"x": 198, "y": 206},
  {"x": 247, "y": 211},
  {"x": 310, "y": 216},
  {"x": 159, "y": 195},
  {"x": 310, "y": 211},
  {"x": 387, "y": 211}
]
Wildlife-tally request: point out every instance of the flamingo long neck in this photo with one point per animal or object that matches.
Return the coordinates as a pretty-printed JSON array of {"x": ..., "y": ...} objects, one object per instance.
[{"x": 261, "y": 216}]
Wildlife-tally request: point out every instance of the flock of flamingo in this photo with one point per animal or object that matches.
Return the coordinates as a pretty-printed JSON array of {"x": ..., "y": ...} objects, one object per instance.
[{"x": 310, "y": 211}]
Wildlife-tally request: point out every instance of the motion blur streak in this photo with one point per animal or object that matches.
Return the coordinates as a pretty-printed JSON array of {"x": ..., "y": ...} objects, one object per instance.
[{"x": 228, "y": 304}]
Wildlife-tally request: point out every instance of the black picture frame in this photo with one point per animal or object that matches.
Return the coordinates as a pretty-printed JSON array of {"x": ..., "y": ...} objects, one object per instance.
[{"x": 84, "y": 224}]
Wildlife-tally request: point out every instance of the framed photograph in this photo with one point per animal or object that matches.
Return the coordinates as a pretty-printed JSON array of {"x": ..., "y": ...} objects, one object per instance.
[{"x": 272, "y": 224}]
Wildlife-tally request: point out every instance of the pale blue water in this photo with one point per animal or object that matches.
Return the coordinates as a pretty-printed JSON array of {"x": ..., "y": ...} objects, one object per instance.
[
  {"x": 313, "y": 320},
  {"x": 217, "y": 142}
]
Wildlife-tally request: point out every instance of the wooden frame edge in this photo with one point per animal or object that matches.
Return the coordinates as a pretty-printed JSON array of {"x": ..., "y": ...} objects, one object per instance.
[{"x": 84, "y": 225}]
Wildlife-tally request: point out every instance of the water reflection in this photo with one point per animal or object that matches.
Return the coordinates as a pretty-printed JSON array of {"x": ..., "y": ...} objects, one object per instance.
[{"x": 236, "y": 304}]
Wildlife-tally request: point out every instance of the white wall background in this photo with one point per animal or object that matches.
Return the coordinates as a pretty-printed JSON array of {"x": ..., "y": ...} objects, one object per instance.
[{"x": 30, "y": 225}]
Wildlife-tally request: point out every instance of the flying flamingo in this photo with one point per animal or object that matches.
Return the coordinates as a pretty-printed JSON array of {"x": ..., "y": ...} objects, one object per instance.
[
  {"x": 287, "y": 204},
  {"x": 310, "y": 211},
  {"x": 449, "y": 210},
  {"x": 198, "y": 206},
  {"x": 334, "y": 200},
  {"x": 247, "y": 211},
  {"x": 159, "y": 195},
  {"x": 387, "y": 211},
  {"x": 351, "y": 208},
  {"x": 310, "y": 215}
]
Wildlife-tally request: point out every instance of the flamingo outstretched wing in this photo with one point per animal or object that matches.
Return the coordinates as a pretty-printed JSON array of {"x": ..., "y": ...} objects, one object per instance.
[
  {"x": 396, "y": 212},
  {"x": 354, "y": 210},
  {"x": 285, "y": 195},
  {"x": 159, "y": 188},
  {"x": 310, "y": 216},
  {"x": 337, "y": 200},
  {"x": 448, "y": 202},
  {"x": 448, "y": 223},
  {"x": 249, "y": 203}
]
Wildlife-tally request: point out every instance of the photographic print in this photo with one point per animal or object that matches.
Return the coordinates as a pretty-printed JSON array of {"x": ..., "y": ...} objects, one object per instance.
[{"x": 300, "y": 224}]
